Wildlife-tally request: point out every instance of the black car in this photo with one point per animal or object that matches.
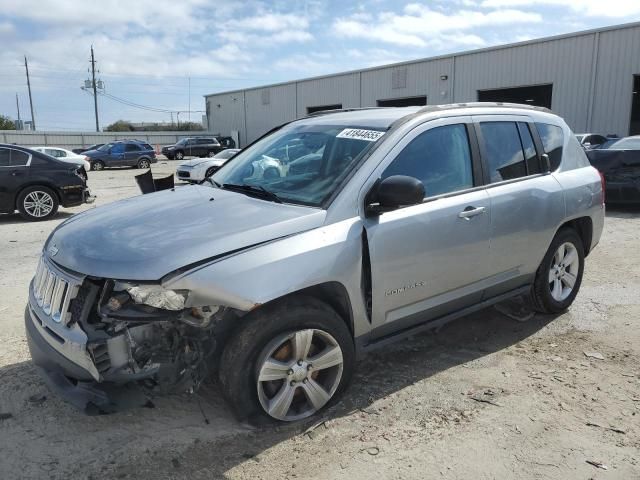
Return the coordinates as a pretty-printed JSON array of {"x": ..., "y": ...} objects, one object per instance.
[
  {"x": 193, "y": 147},
  {"x": 125, "y": 153},
  {"x": 95, "y": 146},
  {"x": 226, "y": 142},
  {"x": 619, "y": 161},
  {"x": 36, "y": 184}
]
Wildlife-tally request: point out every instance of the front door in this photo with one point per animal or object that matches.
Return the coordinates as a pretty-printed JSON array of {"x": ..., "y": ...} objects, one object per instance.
[
  {"x": 14, "y": 168},
  {"x": 431, "y": 259}
]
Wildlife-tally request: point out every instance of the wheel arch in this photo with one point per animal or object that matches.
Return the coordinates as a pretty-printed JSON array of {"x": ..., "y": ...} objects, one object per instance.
[
  {"x": 584, "y": 228},
  {"x": 48, "y": 185}
]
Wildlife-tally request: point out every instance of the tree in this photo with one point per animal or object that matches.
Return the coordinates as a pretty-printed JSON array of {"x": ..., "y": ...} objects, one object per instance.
[
  {"x": 119, "y": 126},
  {"x": 6, "y": 123}
]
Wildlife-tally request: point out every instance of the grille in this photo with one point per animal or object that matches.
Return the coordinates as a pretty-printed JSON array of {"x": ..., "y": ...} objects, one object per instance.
[
  {"x": 53, "y": 291},
  {"x": 182, "y": 173}
]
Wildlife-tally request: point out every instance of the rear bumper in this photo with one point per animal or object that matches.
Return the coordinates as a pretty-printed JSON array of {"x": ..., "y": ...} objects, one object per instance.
[
  {"x": 74, "y": 196},
  {"x": 622, "y": 192}
]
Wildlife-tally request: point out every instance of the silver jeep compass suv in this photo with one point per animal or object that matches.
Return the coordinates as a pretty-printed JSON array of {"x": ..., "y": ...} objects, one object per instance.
[{"x": 327, "y": 237}]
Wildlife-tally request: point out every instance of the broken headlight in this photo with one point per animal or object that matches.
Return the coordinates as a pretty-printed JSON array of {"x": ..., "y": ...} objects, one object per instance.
[{"x": 153, "y": 296}]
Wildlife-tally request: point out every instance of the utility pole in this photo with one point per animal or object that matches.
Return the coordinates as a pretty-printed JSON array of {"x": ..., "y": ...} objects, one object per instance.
[
  {"x": 95, "y": 90},
  {"x": 189, "y": 99},
  {"x": 18, "y": 107},
  {"x": 33, "y": 119}
]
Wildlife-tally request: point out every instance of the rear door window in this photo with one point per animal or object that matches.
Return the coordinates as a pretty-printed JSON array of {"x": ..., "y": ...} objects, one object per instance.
[
  {"x": 5, "y": 157},
  {"x": 552, "y": 140},
  {"x": 440, "y": 158},
  {"x": 503, "y": 150},
  {"x": 132, "y": 147},
  {"x": 19, "y": 159}
]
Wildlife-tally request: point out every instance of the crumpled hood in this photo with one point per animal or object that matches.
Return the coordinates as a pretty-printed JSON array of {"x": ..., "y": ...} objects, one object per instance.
[
  {"x": 195, "y": 162},
  {"x": 149, "y": 236}
]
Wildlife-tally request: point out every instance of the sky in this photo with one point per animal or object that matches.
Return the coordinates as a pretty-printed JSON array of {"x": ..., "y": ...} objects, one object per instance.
[{"x": 167, "y": 54}]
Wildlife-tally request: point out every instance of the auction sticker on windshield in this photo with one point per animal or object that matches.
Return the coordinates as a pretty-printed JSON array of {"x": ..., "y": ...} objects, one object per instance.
[{"x": 360, "y": 134}]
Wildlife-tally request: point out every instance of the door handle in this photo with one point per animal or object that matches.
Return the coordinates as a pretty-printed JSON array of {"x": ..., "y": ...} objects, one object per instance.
[{"x": 469, "y": 212}]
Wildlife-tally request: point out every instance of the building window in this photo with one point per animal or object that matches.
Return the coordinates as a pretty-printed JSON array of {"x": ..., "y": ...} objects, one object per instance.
[
  {"x": 399, "y": 78},
  {"x": 403, "y": 102},
  {"x": 320, "y": 108},
  {"x": 538, "y": 95},
  {"x": 266, "y": 97}
]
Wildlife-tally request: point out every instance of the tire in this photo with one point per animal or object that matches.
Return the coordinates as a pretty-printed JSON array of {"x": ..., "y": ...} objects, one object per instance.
[
  {"x": 210, "y": 171},
  {"x": 271, "y": 333},
  {"x": 37, "y": 203},
  {"x": 97, "y": 165},
  {"x": 211, "y": 153},
  {"x": 559, "y": 276},
  {"x": 144, "y": 163},
  {"x": 179, "y": 155}
]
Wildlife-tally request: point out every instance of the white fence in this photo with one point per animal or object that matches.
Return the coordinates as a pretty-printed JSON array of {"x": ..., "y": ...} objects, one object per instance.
[{"x": 72, "y": 140}]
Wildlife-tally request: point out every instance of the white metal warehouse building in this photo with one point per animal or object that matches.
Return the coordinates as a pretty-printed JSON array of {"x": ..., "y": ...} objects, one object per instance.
[{"x": 591, "y": 78}]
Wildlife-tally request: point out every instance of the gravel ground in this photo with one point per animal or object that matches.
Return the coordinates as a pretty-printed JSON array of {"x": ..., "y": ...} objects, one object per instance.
[{"x": 486, "y": 397}]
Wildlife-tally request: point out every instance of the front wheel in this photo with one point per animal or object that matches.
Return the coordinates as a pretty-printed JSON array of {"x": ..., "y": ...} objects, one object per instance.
[
  {"x": 210, "y": 171},
  {"x": 179, "y": 155},
  {"x": 559, "y": 276},
  {"x": 287, "y": 362},
  {"x": 97, "y": 165},
  {"x": 211, "y": 153},
  {"x": 37, "y": 203}
]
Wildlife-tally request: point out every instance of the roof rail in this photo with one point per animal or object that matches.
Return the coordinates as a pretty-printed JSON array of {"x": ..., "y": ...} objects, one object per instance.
[
  {"x": 452, "y": 106},
  {"x": 341, "y": 110}
]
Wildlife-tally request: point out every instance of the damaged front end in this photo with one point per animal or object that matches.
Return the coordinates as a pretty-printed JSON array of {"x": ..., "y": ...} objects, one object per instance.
[{"x": 90, "y": 335}]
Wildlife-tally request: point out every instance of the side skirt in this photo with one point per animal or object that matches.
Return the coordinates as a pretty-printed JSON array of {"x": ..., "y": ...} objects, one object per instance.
[{"x": 363, "y": 345}]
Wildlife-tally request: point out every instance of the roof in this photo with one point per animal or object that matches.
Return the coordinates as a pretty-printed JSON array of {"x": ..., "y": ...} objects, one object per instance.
[{"x": 439, "y": 57}]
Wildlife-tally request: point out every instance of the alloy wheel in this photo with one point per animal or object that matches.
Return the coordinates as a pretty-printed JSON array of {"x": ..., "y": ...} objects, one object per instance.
[
  {"x": 38, "y": 204},
  {"x": 298, "y": 373},
  {"x": 143, "y": 164},
  {"x": 563, "y": 273}
]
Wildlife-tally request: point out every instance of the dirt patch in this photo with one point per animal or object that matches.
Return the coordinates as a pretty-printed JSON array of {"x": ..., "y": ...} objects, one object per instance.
[{"x": 486, "y": 397}]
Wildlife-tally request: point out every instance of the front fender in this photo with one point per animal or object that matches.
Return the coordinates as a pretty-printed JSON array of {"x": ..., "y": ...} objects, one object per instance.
[{"x": 257, "y": 276}]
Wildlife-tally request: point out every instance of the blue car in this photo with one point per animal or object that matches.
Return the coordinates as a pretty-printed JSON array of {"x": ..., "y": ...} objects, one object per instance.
[{"x": 125, "y": 153}]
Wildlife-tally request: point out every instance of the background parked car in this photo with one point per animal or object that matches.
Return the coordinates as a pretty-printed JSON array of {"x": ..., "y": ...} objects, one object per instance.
[
  {"x": 65, "y": 156},
  {"x": 95, "y": 146},
  {"x": 126, "y": 153},
  {"x": 192, "y": 147},
  {"x": 591, "y": 140},
  {"x": 226, "y": 142},
  {"x": 36, "y": 184},
  {"x": 619, "y": 161},
  {"x": 198, "y": 169}
]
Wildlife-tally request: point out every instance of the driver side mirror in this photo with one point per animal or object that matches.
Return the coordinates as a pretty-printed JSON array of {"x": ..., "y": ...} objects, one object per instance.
[{"x": 394, "y": 192}]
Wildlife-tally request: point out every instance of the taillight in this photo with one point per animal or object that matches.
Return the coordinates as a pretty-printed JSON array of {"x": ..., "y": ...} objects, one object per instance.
[{"x": 604, "y": 184}]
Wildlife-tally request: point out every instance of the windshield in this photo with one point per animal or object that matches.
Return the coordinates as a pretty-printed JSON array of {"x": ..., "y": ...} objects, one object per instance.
[
  {"x": 610, "y": 144},
  {"x": 301, "y": 164},
  {"x": 105, "y": 147},
  {"x": 181, "y": 142}
]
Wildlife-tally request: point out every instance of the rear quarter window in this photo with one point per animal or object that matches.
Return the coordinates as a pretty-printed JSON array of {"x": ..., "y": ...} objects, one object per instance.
[{"x": 552, "y": 138}]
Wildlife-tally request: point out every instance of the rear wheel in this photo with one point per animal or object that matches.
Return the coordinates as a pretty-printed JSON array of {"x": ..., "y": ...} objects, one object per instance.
[
  {"x": 37, "y": 203},
  {"x": 143, "y": 163},
  {"x": 287, "y": 362},
  {"x": 97, "y": 165},
  {"x": 211, "y": 153},
  {"x": 559, "y": 276}
]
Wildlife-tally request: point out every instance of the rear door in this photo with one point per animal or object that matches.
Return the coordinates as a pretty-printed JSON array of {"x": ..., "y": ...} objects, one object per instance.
[
  {"x": 430, "y": 259},
  {"x": 132, "y": 152},
  {"x": 527, "y": 204},
  {"x": 14, "y": 170}
]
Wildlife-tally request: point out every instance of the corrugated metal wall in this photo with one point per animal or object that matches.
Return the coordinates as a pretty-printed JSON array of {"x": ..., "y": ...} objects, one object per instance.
[
  {"x": 80, "y": 139},
  {"x": 618, "y": 61},
  {"x": 591, "y": 73},
  {"x": 565, "y": 63}
]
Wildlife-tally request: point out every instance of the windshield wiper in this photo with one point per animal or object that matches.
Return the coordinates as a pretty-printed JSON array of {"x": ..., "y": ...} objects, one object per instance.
[
  {"x": 258, "y": 190},
  {"x": 213, "y": 182}
]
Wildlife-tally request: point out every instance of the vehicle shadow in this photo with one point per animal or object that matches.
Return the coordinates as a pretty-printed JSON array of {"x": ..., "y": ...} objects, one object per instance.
[
  {"x": 15, "y": 218},
  {"x": 623, "y": 211},
  {"x": 215, "y": 441}
]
